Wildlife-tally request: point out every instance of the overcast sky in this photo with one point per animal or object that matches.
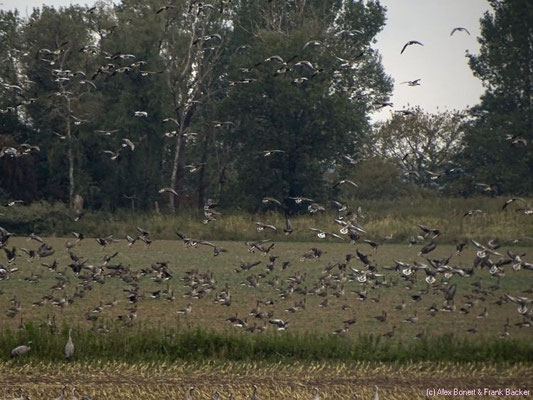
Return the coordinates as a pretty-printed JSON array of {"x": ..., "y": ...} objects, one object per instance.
[{"x": 446, "y": 80}]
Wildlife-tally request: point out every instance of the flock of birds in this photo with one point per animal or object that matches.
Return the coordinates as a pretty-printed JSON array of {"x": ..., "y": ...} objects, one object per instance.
[
  {"x": 357, "y": 269},
  {"x": 354, "y": 277}
]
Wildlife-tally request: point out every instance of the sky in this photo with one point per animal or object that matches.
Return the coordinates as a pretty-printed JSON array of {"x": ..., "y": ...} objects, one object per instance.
[
  {"x": 446, "y": 82},
  {"x": 446, "y": 79}
]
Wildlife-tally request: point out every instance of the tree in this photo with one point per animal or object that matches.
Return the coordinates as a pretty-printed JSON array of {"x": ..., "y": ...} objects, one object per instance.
[
  {"x": 423, "y": 145},
  {"x": 18, "y": 179},
  {"x": 65, "y": 102},
  {"x": 303, "y": 77},
  {"x": 498, "y": 141}
]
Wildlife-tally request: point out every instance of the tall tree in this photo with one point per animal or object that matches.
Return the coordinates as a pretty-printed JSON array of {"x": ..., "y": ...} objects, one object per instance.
[
  {"x": 303, "y": 78},
  {"x": 17, "y": 177},
  {"x": 499, "y": 138},
  {"x": 65, "y": 103}
]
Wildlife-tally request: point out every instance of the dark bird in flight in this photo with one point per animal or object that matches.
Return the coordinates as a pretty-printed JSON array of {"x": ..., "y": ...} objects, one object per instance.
[
  {"x": 410, "y": 43},
  {"x": 460, "y": 29},
  {"x": 164, "y": 8},
  {"x": 416, "y": 82}
]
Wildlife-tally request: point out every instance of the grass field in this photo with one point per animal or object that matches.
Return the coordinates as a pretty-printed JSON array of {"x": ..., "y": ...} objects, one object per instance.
[
  {"x": 339, "y": 291},
  {"x": 160, "y": 353}
]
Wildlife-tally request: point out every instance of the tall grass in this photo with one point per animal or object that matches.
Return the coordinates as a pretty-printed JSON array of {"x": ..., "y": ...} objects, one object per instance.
[
  {"x": 159, "y": 344},
  {"x": 398, "y": 218}
]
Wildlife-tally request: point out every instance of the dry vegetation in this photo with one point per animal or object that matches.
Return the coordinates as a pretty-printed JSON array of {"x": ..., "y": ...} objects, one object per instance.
[
  {"x": 275, "y": 381},
  {"x": 397, "y": 217}
]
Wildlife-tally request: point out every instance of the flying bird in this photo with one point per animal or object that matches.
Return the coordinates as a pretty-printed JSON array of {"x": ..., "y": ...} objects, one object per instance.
[
  {"x": 168, "y": 190},
  {"x": 164, "y": 8},
  {"x": 416, "y": 82},
  {"x": 346, "y": 181},
  {"x": 410, "y": 43},
  {"x": 268, "y": 153},
  {"x": 460, "y": 29},
  {"x": 128, "y": 143}
]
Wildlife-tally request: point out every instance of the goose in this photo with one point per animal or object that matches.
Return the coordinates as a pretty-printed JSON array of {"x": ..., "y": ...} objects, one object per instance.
[
  {"x": 405, "y": 113},
  {"x": 186, "y": 310},
  {"x": 20, "y": 350},
  {"x": 280, "y": 324},
  {"x": 254, "y": 394},
  {"x": 511, "y": 200},
  {"x": 311, "y": 43},
  {"x": 471, "y": 213},
  {"x": 142, "y": 114},
  {"x": 459, "y": 29},
  {"x": 69, "y": 347},
  {"x": 305, "y": 64},
  {"x": 415, "y": 82},
  {"x": 400, "y": 307},
  {"x": 314, "y": 208},
  {"x": 216, "y": 250},
  {"x": 342, "y": 331},
  {"x": 382, "y": 317},
  {"x": 268, "y": 153},
  {"x": 412, "y": 319},
  {"x": 274, "y": 58},
  {"x": 410, "y": 43},
  {"x": 376, "y": 395},
  {"x": 517, "y": 141},
  {"x": 168, "y": 190},
  {"x": 427, "y": 248},
  {"x": 390, "y": 334},
  {"x": 300, "y": 80},
  {"x": 261, "y": 227},
  {"x": 372, "y": 244},
  {"x": 128, "y": 143},
  {"x": 316, "y": 396},
  {"x": 189, "y": 394},
  {"x": 346, "y": 181},
  {"x": 267, "y": 200},
  {"x": 194, "y": 167},
  {"x": 165, "y": 8},
  {"x": 323, "y": 234},
  {"x": 300, "y": 199},
  {"x": 113, "y": 155}
]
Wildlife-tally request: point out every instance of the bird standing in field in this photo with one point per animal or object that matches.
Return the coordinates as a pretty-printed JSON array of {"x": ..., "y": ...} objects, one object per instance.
[
  {"x": 376, "y": 395},
  {"x": 20, "y": 350},
  {"x": 69, "y": 347}
]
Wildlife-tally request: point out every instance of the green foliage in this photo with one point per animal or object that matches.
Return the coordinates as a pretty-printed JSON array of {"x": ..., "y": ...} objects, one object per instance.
[
  {"x": 192, "y": 76},
  {"x": 423, "y": 146},
  {"x": 313, "y": 115},
  {"x": 169, "y": 344},
  {"x": 492, "y": 153},
  {"x": 379, "y": 178}
]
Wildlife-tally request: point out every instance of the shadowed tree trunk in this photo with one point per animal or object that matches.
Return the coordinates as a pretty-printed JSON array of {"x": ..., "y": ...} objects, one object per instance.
[{"x": 202, "y": 186}]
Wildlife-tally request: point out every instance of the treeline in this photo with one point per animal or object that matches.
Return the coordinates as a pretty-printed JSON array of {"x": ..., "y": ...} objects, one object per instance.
[{"x": 135, "y": 104}]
